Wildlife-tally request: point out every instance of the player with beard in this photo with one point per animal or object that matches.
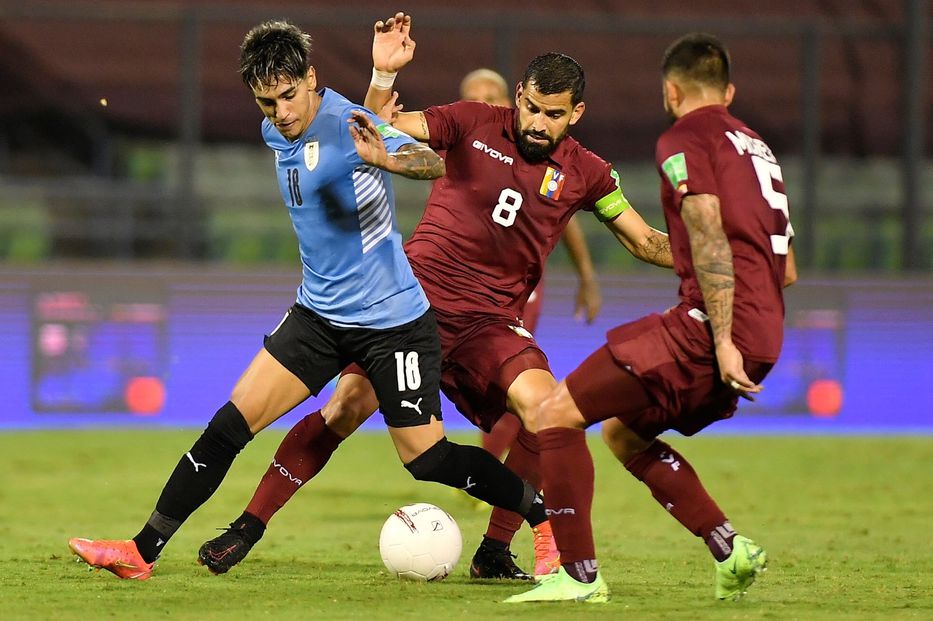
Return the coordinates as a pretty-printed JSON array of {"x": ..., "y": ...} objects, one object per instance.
[
  {"x": 514, "y": 179},
  {"x": 358, "y": 303},
  {"x": 489, "y": 87},
  {"x": 723, "y": 196}
]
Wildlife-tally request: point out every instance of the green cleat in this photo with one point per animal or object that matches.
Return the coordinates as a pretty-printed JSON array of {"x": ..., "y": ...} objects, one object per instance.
[
  {"x": 560, "y": 587},
  {"x": 735, "y": 574}
]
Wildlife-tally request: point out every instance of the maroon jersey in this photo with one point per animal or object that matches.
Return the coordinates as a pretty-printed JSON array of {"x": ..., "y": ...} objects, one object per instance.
[
  {"x": 708, "y": 151},
  {"x": 491, "y": 222}
]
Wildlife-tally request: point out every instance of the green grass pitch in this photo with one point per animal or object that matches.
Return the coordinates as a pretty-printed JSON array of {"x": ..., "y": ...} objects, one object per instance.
[{"x": 846, "y": 522}]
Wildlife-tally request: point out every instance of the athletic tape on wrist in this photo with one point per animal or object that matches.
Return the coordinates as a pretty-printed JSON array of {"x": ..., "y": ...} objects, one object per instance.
[{"x": 383, "y": 80}]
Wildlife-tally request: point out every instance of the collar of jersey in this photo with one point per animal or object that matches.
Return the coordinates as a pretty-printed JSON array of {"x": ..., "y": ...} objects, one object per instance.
[{"x": 711, "y": 109}]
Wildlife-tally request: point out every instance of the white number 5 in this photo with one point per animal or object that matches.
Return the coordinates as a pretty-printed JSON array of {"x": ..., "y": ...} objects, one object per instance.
[{"x": 768, "y": 172}]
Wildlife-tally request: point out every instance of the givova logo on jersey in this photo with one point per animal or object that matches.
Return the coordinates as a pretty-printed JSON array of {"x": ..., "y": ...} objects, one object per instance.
[{"x": 312, "y": 154}]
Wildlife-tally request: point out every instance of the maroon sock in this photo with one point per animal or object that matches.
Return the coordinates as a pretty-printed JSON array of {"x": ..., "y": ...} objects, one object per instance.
[
  {"x": 301, "y": 455},
  {"x": 676, "y": 486},
  {"x": 502, "y": 435},
  {"x": 567, "y": 472},
  {"x": 523, "y": 461}
]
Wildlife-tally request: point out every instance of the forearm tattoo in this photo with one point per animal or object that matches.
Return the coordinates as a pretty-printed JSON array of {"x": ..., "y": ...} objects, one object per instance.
[
  {"x": 656, "y": 249},
  {"x": 417, "y": 161},
  {"x": 712, "y": 262}
]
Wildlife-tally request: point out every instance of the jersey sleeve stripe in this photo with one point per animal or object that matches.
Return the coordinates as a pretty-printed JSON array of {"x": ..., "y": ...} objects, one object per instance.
[{"x": 372, "y": 204}]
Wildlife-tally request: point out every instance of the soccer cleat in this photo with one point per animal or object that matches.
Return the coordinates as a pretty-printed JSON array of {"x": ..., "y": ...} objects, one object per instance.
[
  {"x": 560, "y": 587},
  {"x": 120, "y": 557},
  {"x": 735, "y": 574},
  {"x": 547, "y": 557},
  {"x": 224, "y": 551},
  {"x": 491, "y": 562}
]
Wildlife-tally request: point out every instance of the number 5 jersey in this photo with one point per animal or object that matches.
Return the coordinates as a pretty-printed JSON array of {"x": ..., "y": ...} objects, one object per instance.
[{"x": 708, "y": 151}]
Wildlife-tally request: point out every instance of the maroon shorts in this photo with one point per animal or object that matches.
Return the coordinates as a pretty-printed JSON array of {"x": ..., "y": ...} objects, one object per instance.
[
  {"x": 481, "y": 357},
  {"x": 657, "y": 373}
]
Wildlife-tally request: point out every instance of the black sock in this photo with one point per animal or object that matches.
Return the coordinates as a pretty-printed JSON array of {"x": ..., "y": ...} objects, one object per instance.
[
  {"x": 480, "y": 475},
  {"x": 252, "y": 527},
  {"x": 198, "y": 473}
]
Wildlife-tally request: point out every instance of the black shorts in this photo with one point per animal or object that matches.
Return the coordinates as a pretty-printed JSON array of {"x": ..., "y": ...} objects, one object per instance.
[{"x": 403, "y": 363}]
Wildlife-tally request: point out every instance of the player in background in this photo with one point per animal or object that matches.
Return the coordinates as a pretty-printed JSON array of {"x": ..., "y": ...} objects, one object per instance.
[
  {"x": 514, "y": 178},
  {"x": 487, "y": 86},
  {"x": 723, "y": 197},
  {"x": 358, "y": 302}
]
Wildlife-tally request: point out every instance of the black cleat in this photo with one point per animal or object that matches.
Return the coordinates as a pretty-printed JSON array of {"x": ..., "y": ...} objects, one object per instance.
[
  {"x": 495, "y": 562},
  {"x": 226, "y": 550}
]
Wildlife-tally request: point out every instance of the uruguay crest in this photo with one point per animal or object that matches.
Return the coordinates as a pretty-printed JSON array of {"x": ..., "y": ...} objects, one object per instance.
[{"x": 312, "y": 153}]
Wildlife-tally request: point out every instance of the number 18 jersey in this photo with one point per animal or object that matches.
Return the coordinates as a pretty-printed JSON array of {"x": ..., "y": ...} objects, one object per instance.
[
  {"x": 354, "y": 273},
  {"x": 491, "y": 222}
]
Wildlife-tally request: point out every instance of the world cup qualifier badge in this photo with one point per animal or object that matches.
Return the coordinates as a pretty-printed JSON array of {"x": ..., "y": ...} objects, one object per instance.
[
  {"x": 552, "y": 183},
  {"x": 312, "y": 153}
]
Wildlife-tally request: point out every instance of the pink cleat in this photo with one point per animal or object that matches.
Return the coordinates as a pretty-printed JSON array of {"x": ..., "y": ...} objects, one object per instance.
[
  {"x": 547, "y": 557},
  {"x": 119, "y": 557}
]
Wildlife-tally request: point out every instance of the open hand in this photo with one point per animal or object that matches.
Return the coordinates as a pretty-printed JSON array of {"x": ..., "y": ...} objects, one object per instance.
[
  {"x": 393, "y": 47},
  {"x": 367, "y": 139}
]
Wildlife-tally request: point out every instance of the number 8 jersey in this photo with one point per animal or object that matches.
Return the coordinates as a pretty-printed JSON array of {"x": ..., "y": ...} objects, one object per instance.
[
  {"x": 491, "y": 222},
  {"x": 708, "y": 151}
]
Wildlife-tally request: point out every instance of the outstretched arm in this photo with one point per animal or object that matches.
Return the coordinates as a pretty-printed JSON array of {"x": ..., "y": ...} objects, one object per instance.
[
  {"x": 712, "y": 262},
  {"x": 415, "y": 161},
  {"x": 393, "y": 48},
  {"x": 589, "y": 299},
  {"x": 644, "y": 242}
]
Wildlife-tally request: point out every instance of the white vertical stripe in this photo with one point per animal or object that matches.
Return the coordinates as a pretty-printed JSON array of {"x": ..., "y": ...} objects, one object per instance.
[{"x": 372, "y": 205}]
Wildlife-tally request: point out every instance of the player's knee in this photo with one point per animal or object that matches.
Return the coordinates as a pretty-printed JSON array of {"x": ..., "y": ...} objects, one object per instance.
[
  {"x": 557, "y": 410},
  {"x": 622, "y": 441},
  {"x": 346, "y": 411},
  {"x": 529, "y": 418}
]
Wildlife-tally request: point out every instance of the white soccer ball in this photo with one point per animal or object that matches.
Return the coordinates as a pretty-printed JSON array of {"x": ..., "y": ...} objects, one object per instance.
[{"x": 420, "y": 542}]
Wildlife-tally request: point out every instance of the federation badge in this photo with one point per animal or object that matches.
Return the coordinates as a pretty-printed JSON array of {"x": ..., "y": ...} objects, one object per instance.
[
  {"x": 312, "y": 153},
  {"x": 552, "y": 183}
]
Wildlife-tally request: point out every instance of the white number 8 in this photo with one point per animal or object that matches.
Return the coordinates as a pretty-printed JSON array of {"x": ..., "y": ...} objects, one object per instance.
[{"x": 507, "y": 208}]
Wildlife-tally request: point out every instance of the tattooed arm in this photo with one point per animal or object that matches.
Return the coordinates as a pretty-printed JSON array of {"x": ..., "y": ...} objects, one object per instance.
[
  {"x": 415, "y": 161},
  {"x": 644, "y": 242},
  {"x": 712, "y": 262}
]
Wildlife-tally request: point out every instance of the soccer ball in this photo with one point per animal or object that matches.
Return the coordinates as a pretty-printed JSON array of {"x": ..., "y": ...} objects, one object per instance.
[{"x": 420, "y": 542}]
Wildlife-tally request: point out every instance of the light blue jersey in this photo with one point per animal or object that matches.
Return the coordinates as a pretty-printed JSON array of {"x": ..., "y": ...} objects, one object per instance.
[{"x": 354, "y": 272}]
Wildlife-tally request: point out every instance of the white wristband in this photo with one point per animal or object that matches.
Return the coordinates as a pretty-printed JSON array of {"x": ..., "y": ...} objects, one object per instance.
[{"x": 383, "y": 80}]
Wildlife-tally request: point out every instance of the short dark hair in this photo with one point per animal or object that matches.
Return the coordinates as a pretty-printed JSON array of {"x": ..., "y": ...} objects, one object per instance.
[
  {"x": 554, "y": 73},
  {"x": 698, "y": 57},
  {"x": 272, "y": 51}
]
